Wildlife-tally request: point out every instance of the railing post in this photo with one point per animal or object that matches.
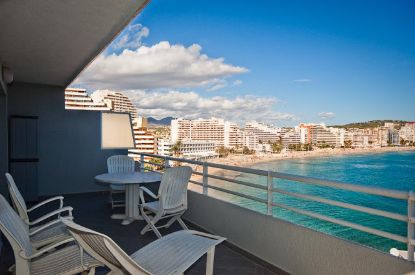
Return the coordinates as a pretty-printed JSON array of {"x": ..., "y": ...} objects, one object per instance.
[
  {"x": 166, "y": 163},
  {"x": 410, "y": 225},
  {"x": 205, "y": 178},
  {"x": 269, "y": 193},
  {"x": 141, "y": 162}
]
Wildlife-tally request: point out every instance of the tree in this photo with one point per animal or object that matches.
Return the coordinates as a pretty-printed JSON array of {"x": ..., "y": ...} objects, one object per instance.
[
  {"x": 176, "y": 148},
  {"x": 276, "y": 147},
  {"x": 222, "y": 151}
]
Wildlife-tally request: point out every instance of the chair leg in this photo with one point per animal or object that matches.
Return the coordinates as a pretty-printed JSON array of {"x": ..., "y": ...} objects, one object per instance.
[
  {"x": 151, "y": 224},
  {"x": 210, "y": 260},
  {"x": 179, "y": 219}
]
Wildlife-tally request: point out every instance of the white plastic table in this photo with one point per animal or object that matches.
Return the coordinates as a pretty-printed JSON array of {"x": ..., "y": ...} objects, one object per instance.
[{"x": 131, "y": 181}]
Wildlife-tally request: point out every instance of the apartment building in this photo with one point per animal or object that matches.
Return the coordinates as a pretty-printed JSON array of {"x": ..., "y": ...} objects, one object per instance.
[
  {"x": 407, "y": 132},
  {"x": 265, "y": 133},
  {"x": 164, "y": 147},
  {"x": 320, "y": 134},
  {"x": 219, "y": 131},
  {"x": 145, "y": 142},
  {"x": 292, "y": 137},
  {"x": 116, "y": 101},
  {"x": 78, "y": 99}
]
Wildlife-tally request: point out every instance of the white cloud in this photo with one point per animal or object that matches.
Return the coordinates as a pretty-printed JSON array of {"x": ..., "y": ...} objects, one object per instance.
[
  {"x": 130, "y": 38},
  {"x": 302, "y": 80},
  {"x": 237, "y": 82},
  {"x": 326, "y": 115},
  {"x": 191, "y": 105},
  {"x": 159, "y": 66}
]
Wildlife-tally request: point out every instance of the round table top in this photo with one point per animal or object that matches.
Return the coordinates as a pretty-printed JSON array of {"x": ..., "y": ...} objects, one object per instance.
[{"x": 129, "y": 178}]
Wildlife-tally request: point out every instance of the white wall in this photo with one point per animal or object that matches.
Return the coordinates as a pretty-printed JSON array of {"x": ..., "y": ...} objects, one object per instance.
[{"x": 293, "y": 248}]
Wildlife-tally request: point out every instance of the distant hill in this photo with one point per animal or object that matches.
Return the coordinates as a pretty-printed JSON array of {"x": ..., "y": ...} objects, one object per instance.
[
  {"x": 163, "y": 121},
  {"x": 370, "y": 124}
]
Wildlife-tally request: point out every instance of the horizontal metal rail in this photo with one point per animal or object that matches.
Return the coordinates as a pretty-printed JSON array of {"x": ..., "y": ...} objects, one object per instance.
[
  {"x": 368, "y": 210},
  {"x": 345, "y": 223},
  {"x": 409, "y": 197}
]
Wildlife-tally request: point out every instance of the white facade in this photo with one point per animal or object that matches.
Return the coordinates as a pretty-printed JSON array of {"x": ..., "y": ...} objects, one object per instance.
[
  {"x": 116, "y": 101},
  {"x": 265, "y": 133},
  {"x": 218, "y": 131},
  {"x": 164, "y": 147},
  {"x": 78, "y": 99}
]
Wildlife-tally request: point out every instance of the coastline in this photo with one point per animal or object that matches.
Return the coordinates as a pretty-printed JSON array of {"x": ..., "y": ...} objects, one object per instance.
[{"x": 250, "y": 160}]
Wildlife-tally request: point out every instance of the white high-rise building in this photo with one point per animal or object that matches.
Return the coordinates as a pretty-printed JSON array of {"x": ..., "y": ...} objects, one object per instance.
[
  {"x": 78, "y": 99},
  {"x": 265, "y": 133},
  {"x": 116, "y": 101},
  {"x": 219, "y": 131}
]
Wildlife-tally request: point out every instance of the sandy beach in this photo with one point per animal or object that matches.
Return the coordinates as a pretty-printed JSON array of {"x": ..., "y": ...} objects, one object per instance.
[{"x": 250, "y": 160}]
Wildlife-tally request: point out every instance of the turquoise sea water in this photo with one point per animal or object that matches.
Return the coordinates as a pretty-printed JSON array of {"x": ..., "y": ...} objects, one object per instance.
[{"x": 395, "y": 170}]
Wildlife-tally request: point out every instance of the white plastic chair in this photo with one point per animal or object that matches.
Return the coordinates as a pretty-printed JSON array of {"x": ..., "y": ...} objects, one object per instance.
[
  {"x": 119, "y": 164},
  {"x": 172, "y": 254},
  {"x": 57, "y": 258},
  {"x": 43, "y": 230},
  {"x": 172, "y": 200}
]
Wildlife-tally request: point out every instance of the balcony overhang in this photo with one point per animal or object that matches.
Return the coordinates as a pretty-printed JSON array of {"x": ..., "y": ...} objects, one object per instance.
[{"x": 51, "y": 42}]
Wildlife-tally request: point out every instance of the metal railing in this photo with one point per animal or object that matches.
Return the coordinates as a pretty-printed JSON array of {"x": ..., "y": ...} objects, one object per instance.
[{"x": 409, "y": 197}]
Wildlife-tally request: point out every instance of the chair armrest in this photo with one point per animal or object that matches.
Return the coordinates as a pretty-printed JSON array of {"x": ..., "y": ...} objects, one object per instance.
[
  {"x": 45, "y": 249},
  {"x": 47, "y": 225},
  {"x": 46, "y": 202},
  {"x": 141, "y": 189},
  {"x": 53, "y": 213}
]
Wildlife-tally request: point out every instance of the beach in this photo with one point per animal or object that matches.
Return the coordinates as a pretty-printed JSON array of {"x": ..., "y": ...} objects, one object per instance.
[{"x": 250, "y": 160}]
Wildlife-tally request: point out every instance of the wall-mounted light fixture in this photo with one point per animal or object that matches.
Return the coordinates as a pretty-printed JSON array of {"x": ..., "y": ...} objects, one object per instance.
[{"x": 7, "y": 75}]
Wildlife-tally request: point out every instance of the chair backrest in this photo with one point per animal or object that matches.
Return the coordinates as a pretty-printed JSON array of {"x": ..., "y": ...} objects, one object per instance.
[
  {"x": 120, "y": 164},
  {"x": 17, "y": 198},
  {"x": 173, "y": 187},
  {"x": 103, "y": 248},
  {"x": 15, "y": 230}
]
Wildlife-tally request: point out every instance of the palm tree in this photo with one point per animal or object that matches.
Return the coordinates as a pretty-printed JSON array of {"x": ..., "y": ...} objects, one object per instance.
[{"x": 176, "y": 148}]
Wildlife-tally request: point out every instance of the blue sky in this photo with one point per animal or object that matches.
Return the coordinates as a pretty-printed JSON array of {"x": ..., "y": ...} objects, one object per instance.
[{"x": 298, "y": 61}]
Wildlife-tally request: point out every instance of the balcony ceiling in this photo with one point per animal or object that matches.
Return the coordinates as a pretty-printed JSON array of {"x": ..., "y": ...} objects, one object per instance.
[{"x": 51, "y": 41}]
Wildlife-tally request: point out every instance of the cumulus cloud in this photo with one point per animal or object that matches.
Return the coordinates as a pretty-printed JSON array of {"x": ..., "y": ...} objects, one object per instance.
[
  {"x": 302, "y": 80},
  {"x": 130, "y": 38},
  {"x": 326, "y": 115},
  {"x": 162, "y": 65},
  {"x": 191, "y": 105}
]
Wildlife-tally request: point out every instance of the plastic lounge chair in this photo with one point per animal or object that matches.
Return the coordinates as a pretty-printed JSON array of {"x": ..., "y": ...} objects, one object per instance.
[
  {"x": 172, "y": 254},
  {"x": 119, "y": 164},
  {"x": 69, "y": 259},
  {"x": 43, "y": 230},
  {"x": 172, "y": 200}
]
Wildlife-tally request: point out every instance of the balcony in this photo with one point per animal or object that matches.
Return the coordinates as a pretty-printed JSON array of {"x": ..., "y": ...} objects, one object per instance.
[{"x": 93, "y": 211}]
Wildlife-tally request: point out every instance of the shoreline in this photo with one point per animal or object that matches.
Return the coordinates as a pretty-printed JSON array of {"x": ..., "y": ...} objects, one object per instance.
[{"x": 251, "y": 160}]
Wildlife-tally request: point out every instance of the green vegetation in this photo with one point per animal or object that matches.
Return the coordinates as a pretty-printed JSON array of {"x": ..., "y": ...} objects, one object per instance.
[
  {"x": 370, "y": 124},
  {"x": 176, "y": 148}
]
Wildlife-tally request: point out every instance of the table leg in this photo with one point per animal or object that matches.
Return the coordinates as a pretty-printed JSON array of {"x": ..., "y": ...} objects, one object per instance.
[{"x": 132, "y": 200}]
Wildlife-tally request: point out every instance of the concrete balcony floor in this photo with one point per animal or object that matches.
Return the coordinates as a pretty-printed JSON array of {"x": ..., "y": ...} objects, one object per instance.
[{"x": 93, "y": 211}]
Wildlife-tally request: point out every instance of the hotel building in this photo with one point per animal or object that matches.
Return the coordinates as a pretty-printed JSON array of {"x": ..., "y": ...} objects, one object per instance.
[
  {"x": 265, "y": 133},
  {"x": 218, "y": 131},
  {"x": 116, "y": 101},
  {"x": 78, "y": 99}
]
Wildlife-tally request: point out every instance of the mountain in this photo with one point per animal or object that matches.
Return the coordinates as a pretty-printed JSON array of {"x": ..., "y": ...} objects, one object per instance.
[
  {"x": 163, "y": 121},
  {"x": 370, "y": 124}
]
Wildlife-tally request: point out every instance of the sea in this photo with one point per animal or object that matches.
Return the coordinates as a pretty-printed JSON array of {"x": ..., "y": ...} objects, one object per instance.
[{"x": 391, "y": 170}]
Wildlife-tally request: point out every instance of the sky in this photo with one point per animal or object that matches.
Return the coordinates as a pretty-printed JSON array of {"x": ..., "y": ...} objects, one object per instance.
[{"x": 279, "y": 62}]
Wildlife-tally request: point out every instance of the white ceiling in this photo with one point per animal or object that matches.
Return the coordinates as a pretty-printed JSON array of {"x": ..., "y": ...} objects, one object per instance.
[{"x": 51, "y": 41}]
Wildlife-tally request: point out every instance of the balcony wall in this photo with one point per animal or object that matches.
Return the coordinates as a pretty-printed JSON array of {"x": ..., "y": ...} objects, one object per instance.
[
  {"x": 292, "y": 248},
  {"x": 68, "y": 141},
  {"x": 3, "y": 140}
]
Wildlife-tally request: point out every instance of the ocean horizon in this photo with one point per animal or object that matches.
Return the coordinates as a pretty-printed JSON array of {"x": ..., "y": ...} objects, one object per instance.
[{"x": 390, "y": 170}]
